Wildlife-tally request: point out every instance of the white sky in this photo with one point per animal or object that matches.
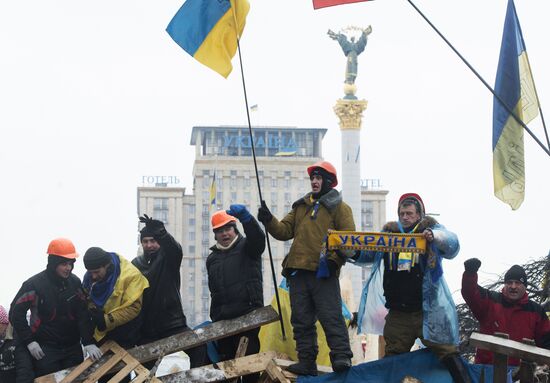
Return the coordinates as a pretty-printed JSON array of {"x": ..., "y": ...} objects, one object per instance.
[{"x": 94, "y": 95}]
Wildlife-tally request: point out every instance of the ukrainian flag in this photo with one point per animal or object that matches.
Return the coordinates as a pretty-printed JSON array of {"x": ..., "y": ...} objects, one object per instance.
[
  {"x": 514, "y": 85},
  {"x": 207, "y": 30},
  {"x": 213, "y": 191}
]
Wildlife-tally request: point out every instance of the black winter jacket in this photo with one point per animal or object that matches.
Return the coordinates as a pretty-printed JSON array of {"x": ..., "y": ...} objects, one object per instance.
[
  {"x": 58, "y": 311},
  {"x": 235, "y": 275},
  {"x": 162, "y": 310}
]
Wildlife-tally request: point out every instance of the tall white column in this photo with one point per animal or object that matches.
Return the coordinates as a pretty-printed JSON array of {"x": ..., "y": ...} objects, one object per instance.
[{"x": 350, "y": 113}]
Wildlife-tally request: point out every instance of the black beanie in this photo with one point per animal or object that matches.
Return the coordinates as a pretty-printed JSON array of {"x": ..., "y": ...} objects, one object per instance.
[
  {"x": 516, "y": 273},
  {"x": 145, "y": 232},
  {"x": 95, "y": 258}
]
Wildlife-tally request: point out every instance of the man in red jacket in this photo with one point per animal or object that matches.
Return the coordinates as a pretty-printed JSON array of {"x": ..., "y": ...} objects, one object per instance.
[{"x": 510, "y": 311}]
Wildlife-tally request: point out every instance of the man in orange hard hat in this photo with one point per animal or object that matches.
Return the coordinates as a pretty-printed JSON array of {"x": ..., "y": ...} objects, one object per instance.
[
  {"x": 313, "y": 280},
  {"x": 235, "y": 276},
  {"x": 59, "y": 320}
]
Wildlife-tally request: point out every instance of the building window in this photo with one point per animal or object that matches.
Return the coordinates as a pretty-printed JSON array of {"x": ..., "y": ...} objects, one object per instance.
[
  {"x": 192, "y": 222},
  {"x": 161, "y": 215},
  {"x": 160, "y": 204},
  {"x": 274, "y": 198},
  {"x": 191, "y": 251},
  {"x": 287, "y": 197},
  {"x": 233, "y": 197},
  {"x": 367, "y": 219},
  {"x": 191, "y": 235},
  {"x": 247, "y": 197},
  {"x": 191, "y": 209}
]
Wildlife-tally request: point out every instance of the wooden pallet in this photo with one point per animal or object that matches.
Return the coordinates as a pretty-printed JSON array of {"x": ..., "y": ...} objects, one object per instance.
[{"x": 115, "y": 354}]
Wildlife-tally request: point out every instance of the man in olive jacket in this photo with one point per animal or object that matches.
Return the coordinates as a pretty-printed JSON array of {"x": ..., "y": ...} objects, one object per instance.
[{"x": 314, "y": 290}]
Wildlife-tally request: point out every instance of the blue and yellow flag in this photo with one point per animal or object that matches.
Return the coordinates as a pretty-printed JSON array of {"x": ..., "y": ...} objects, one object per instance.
[
  {"x": 207, "y": 30},
  {"x": 514, "y": 85},
  {"x": 213, "y": 191}
]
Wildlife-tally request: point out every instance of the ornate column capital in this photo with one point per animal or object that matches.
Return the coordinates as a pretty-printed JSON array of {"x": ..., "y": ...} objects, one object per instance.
[{"x": 350, "y": 113}]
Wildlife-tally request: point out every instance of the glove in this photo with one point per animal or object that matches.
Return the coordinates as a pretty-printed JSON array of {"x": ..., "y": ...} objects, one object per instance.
[
  {"x": 264, "y": 215},
  {"x": 98, "y": 317},
  {"x": 36, "y": 350},
  {"x": 472, "y": 265},
  {"x": 153, "y": 225},
  {"x": 93, "y": 352},
  {"x": 240, "y": 212}
]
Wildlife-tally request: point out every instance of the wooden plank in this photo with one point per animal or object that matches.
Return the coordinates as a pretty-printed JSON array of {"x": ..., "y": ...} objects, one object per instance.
[
  {"x": 276, "y": 373},
  {"x": 510, "y": 348},
  {"x": 226, "y": 370},
  {"x": 104, "y": 369},
  {"x": 179, "y": 342},
  {"x": 130, "y": 366},
  {"x": 241, "y": 351}
]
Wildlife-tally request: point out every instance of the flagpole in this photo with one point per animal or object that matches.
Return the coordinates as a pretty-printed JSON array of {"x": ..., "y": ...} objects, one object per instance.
[
  {"x": 258, "y": 182},
  {"x": 519, "y": 121}
]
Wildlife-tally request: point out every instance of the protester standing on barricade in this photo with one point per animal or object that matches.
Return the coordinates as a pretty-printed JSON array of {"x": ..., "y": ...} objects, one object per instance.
[
  {"x": 313, "y": 281},
  {"x": 415, "y": 293},
  {"x": 235, "y": 276},
  {"x": 114, "y": 289},
  {"x": 162, "y": 309},
  {"x": 509, "y": 311},
  {"x": 59, "y": 320}
]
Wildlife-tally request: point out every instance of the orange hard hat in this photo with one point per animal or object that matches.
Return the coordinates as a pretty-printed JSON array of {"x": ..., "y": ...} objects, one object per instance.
[
  {"x": 221, "y": 218},
  {"x": 326, "y": 166},
  {"x": 62, "y": 247}
]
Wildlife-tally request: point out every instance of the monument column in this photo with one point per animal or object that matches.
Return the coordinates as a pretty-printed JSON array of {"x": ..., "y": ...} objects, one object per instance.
[{"x": 349, "y": 110}]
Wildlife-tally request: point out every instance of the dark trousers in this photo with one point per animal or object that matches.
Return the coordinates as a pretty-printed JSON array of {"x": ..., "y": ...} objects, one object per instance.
[
  {"x": 227, "y": 348},
  {"x": 403, "y": 328},
  {"x": 55, "y": 359},
  {"x": 313, "y": 298},
  {"x": 24, "y": 369},
  {"x": 7, "y": 376}
]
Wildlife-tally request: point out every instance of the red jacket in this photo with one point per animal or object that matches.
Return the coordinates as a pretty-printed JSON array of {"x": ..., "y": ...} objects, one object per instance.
[{"x": 495, "y": 313}]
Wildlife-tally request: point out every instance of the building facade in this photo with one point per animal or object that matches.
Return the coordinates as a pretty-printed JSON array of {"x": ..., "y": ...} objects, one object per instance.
[{"x": 223, "y": 173}]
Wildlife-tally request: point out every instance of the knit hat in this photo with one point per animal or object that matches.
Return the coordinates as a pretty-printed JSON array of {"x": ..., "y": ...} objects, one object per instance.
[
  {"x": 145, "y": 232},
  {"x": 516, "y": 273},
  {"x": 95, "y": 258},
  {"x": 3, "y": 315}
]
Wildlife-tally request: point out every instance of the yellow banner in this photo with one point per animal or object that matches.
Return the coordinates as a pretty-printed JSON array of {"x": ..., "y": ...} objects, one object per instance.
[{"x": 394, "y": 242}]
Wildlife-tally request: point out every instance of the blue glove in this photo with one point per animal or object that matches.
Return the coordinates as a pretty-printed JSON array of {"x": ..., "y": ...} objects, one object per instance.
[{"x": 240, "y": 212}]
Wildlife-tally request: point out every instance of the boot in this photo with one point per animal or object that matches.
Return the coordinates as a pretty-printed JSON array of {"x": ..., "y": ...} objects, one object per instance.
[
  {"x": 303, "y": 367},
  {"x": 340, "y": 364},
  {"x": 456, "y": 368}
]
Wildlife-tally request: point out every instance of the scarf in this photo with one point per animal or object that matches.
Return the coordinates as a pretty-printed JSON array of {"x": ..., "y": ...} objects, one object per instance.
[{"x": 101, "y": 291}]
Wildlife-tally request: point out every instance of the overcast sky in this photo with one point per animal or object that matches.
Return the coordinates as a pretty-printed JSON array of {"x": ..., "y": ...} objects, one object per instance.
[{"x": 95, "y": 95}]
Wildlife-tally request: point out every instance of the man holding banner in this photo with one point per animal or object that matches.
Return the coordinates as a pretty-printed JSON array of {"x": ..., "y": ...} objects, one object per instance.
[
  {"x": 415, "y": 294},
  {"x": 314, "y": 288}
]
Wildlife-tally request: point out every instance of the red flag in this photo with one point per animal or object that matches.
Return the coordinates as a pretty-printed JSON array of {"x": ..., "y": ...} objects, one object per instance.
[{"x": 329, "y": 3}]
